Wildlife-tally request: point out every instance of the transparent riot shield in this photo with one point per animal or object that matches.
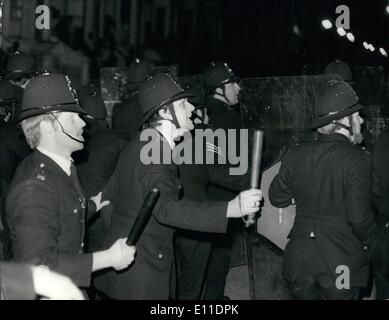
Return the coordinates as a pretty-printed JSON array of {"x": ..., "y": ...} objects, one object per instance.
[{"x": 282, "y": 107}]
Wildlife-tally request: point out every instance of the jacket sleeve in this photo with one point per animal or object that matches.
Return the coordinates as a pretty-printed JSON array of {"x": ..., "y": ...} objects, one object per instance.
[
  {"x": 359, "y": 198},
  {"x": 16, "y": 282},
  {"x": 220, "y": 175},
  {"x": 208, "y": 216},
  {"x": 280, "y": 193},
  {"x": 33, "y": 218}
]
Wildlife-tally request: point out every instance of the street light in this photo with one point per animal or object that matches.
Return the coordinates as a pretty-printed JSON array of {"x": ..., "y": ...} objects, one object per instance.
[
  {"x": 383, "y": 52},
  {"x": 341, "y": 32},
  {"x": 326, "y": 24},
  {"x": 350, "y": 36},
  {"x": 371, "y": 47}
]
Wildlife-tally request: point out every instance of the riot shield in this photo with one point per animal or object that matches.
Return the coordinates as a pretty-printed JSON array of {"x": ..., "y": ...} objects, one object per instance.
[
  {"x": 283, "y": 108},
  {"x": 274, "y": 223}
]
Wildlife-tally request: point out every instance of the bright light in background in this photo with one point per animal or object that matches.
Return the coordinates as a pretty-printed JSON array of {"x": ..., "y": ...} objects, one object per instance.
[
  {"x": 366, "y": 45},
  {"x": 296, "y": 30},
  {"x": 326, "y": 24},
  {"x": 371, "y": 47},
  {"x": 383, "y": 52},
  {"x": 387, "y": 9},
  {"x": 350, "y": 36},
  {"x": 341, "y": 32}
]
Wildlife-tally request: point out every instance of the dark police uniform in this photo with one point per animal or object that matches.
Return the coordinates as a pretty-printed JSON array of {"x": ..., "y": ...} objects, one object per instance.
[
  {"x": 225, "y": 117},
  {"x": 16, "y": 282},
  {"x": 330, "y": 181},
  {"x": 193, "y": 248},
  {"x": 127, "y": 118},
  {"x": 149, "y": 277},
  {"x": 46, "y": 214},
  {"x": 13, "y": 149},
  {"x": 95, "y": 165}
]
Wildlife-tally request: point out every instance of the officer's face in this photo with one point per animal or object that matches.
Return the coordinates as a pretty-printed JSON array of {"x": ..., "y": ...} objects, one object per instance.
[
  {"x": 73, "y": 125},
  {"x": 184, "y": 111},
  {"x": 232, "y": 93},
  {"x": 202, "y": 116}
]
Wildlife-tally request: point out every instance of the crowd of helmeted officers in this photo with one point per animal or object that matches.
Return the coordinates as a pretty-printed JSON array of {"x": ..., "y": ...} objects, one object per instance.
[{"x": 72, "y": 186}]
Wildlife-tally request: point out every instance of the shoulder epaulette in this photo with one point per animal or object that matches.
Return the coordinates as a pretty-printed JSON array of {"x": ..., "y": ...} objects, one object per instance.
[{"x": 40, "y": 172}]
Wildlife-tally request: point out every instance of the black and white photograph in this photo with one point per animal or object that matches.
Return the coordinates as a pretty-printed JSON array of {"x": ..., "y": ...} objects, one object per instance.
[{"x": 201, "y": 155}]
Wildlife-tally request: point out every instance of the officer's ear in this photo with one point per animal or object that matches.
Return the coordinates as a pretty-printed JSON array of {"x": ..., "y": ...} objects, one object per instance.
[
  {"x": 47, "y": 127},
  {"x": 220, "y": 90},
  {"x": 344, "y": 120},
  {"x": 165, "y": 114}
]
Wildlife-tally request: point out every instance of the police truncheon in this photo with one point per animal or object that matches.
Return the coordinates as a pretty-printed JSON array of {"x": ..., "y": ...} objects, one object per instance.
[{"x": 274, "y": 223}]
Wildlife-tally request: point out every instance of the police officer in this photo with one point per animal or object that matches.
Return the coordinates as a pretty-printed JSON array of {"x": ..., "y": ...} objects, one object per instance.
[
  {"x": 340, "y": 68},
  {"x": 329, "y": 180},
  {"x": 193, "y": 249},
  {"x": 97, "y": 161},
  {"x": 222, "y": 90},
  {"x": 127, "y": 116},
  {"x": 13, "y": 149},
  {"x": 20, "y": 69},
  {"x": 46, "y": 207},
  {"x": 147, "y": 163}
]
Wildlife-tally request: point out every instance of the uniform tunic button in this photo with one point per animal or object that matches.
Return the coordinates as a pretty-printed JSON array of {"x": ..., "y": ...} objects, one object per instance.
[
  {"x": 82, "y": 220},
  {"x": 160, "y": 255},
  {"x": 42, "y": 165},
  {"x": 75, "y": 211}
]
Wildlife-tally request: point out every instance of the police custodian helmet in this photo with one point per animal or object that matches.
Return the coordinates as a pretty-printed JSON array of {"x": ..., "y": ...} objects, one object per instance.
[
  {"x": 334, "y": 101},
  {"x": 341, "y": 69},
  {"x": 47, "y": 93},
  {"x": 139, "y": 71},
  {"x": 157, "y": 92},
  {"x": 18, "y": 65},
  {"x": 90, "y": 100},
  {"x": 218, "y": 74}
]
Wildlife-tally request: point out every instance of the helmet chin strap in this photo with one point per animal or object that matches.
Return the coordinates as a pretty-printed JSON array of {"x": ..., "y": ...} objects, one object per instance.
[
  {"x": 349, "y": 128},
  {"x": 64, "y": 132},
  {"x": 224, "y": 96},
  {"x": 173, "y": 113}
]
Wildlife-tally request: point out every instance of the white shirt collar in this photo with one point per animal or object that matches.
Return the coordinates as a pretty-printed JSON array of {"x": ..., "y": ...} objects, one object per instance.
[
  {"x": 61, "y": 161},
  {"x": 166, "y": 129}
]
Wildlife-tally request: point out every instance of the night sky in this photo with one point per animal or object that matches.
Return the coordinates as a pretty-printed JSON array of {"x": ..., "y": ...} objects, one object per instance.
[{"x": 258, "y": 37}]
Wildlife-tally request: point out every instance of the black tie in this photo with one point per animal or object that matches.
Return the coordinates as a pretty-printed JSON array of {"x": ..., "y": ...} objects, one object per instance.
[{"x": 76, "y": 181}]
